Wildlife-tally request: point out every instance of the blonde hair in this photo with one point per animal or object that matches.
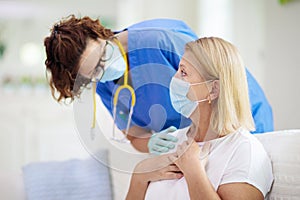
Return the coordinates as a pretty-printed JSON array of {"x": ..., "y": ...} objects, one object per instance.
[{"x": 220, "y": 60}]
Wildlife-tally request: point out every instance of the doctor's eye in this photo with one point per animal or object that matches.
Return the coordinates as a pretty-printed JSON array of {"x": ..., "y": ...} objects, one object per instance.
[
  {"x": 108, "y": 51},
  {"x": 97, "y": 69}
]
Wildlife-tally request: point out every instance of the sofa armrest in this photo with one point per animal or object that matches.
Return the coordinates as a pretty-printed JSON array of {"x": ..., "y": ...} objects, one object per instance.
[{"x": 284, "y": 150}]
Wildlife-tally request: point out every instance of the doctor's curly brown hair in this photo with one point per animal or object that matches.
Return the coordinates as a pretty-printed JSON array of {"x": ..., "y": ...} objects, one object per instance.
[{"x": 64, "y": 47}]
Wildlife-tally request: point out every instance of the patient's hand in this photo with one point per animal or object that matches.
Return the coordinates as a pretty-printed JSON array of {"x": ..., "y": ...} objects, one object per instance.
[
  {"x": 189, "y": 156},
  {"x": 157, "y": 168},
  {"x": 149, "y": 170}
]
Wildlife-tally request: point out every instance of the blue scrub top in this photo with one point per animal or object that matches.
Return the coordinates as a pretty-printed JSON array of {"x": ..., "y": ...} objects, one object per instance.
[
  {"x": 260, "y": 107},
  {"x": 155, "y": 48}
]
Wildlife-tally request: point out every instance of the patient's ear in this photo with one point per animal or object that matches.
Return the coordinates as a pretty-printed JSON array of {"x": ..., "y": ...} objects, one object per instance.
[{"x": 215, "y": 90}]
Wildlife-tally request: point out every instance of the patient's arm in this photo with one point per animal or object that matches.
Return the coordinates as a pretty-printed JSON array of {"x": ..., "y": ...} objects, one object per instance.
[
  {"x": 152, "y": 169},
  {"x": 138, "y": 187}
]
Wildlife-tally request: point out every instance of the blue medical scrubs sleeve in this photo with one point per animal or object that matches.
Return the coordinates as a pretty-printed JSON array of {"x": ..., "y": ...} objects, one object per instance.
[{"x": 261, "y": 109}]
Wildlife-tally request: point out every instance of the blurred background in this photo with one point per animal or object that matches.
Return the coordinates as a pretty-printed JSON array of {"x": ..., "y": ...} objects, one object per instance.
[{"x": 33, "y": 127}]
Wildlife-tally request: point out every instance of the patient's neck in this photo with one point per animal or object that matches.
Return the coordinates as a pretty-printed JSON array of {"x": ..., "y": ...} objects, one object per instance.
[
  {"x": 200, "y": 134},
  {"x": 201, "y": 128}
]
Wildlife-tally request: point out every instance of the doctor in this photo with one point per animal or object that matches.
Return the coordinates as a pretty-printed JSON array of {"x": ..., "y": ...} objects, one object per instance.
[{"x": 81, "y": 50}]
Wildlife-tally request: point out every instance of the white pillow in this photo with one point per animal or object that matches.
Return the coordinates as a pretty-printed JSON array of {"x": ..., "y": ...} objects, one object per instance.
[{"x": 284, "y": 150}]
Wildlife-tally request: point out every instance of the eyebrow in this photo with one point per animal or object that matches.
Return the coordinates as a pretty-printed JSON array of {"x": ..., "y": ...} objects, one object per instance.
[{"x": 182, "y": 66}]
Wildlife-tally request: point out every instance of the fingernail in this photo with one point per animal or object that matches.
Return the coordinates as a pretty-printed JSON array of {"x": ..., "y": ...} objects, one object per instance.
[
  {"x": 173, "y": 128},
  {"x": 179, "y": 175},
  {"x": 165, "y": 149}
]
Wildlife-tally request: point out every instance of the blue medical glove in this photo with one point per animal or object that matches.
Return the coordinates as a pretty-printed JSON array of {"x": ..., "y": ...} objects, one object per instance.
[{"x": 162, "y": 142}]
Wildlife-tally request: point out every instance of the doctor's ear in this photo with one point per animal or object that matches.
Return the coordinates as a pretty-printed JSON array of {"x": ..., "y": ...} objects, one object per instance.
[{"x": 215, "y": 90}]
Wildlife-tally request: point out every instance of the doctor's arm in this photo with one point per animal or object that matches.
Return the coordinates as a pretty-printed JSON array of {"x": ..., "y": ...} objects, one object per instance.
[
  {"x": 154, "y": 143},
  {"x": 139, "y": 138}
]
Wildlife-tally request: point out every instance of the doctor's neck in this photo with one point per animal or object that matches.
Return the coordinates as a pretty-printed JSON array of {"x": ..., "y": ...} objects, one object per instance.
[{"x": 123, "y": 38}]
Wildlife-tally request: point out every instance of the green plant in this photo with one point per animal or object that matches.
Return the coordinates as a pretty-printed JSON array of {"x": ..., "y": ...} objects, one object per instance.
[
  {"x": 2, "y": 49},
  {"x": 282, "y": 2}
]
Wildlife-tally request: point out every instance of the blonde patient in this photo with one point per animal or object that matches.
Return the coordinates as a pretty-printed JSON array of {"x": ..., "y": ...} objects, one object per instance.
[{"x": 220, "y": 159}]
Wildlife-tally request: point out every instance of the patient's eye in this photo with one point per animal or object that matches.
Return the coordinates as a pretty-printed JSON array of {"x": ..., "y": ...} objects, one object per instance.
[{"x": 182, "y": 72}]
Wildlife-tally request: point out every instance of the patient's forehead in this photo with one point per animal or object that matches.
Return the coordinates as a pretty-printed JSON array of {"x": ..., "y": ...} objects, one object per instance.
[
  {"x": 191, "y": 65},
  {"x": 189, "y": 60}
]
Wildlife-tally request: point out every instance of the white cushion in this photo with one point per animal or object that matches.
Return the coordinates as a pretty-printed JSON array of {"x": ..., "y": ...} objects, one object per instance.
[{"x": 284, "y": 150}]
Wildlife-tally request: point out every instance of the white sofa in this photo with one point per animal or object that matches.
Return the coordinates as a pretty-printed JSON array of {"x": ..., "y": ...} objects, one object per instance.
[
  {"x": 284, "y": 149},
  {"x": 282, "y": 146}
]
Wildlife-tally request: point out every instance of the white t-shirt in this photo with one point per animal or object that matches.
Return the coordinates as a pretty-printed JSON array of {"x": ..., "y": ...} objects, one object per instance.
[{"x": 237, "y": 157}]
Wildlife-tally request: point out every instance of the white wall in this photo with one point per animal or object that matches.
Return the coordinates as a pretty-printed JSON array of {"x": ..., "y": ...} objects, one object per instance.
[
  {"x": 249, "y": 34},
  {"x": 267, "y": 35},
  {"x": 35, "y": 128},
  {"x": 239, "y": 22},
  {"x": 24, "y": 21},
  {"x": 282, "y": 68},
  {"x": 132, "y": 11}
]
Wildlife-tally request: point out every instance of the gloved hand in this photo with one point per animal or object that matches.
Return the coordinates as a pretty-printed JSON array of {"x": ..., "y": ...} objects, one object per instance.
[{"x": 162, "y": 142}]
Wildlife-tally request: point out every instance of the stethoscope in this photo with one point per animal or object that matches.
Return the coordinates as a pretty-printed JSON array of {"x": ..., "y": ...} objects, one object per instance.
[{"x": 115, "y": 100}]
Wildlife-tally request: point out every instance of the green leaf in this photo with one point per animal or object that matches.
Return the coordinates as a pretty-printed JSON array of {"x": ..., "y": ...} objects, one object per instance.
[
  {"x": 282, "y": 2},
  {"x": 2, "y": 49}
]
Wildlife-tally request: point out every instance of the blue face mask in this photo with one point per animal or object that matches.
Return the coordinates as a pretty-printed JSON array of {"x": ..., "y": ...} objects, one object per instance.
[
  {"x": 114, "y": 67},
  {"x": 178, "y": 93}
]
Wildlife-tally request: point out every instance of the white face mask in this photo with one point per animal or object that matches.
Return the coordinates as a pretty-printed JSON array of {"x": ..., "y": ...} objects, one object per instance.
[
  {"x": 115, "y": 66},
  {"x": 178, "y": 93}
]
